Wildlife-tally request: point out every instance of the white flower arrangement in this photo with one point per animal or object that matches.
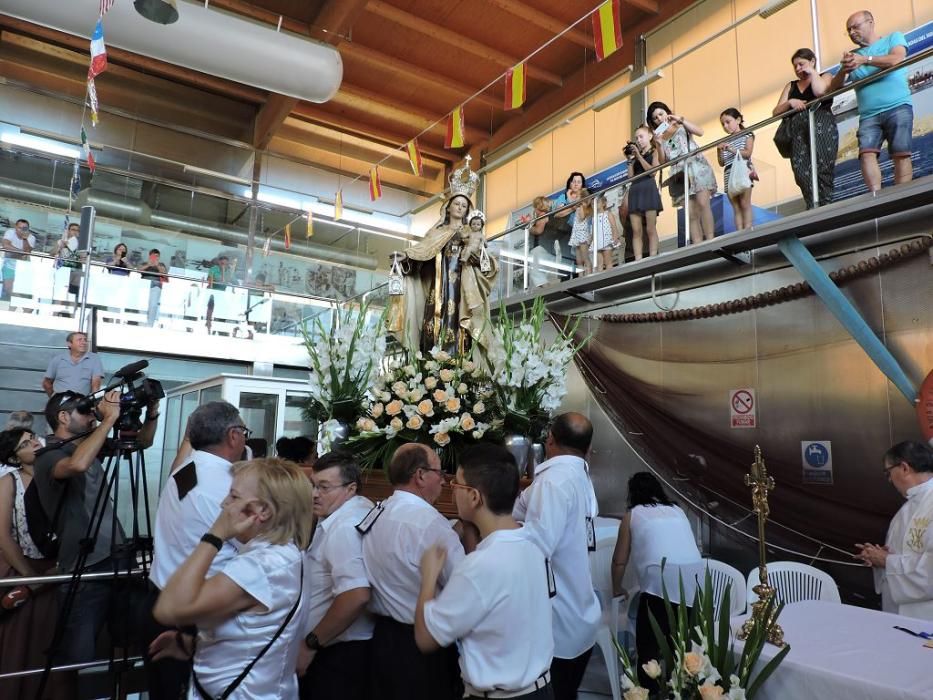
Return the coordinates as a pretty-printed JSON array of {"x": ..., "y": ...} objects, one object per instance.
[
  {"x": 709, "y": 670},
  {"x": 439, "y": 400},
  {"x": 530, "y": 377},
  {"x": 342, "y": 361}
]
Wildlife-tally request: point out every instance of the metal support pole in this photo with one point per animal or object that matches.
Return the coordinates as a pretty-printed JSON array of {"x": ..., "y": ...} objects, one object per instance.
[
  {"x": 840, "y": 306},
  {"x": 526, "y": 263},
  {"x": 687, "y": 239},
  {"x": 814, "y": 174},
  {"x": 88, "y": 216},
  {"x": 815, "y": 24}
]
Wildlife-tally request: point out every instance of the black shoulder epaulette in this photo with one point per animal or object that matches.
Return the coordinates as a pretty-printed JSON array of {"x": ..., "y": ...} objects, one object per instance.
[
  {"x": 366, "y": 524},
  {"x": 186, "y": 479},
  {"x": 551, "y": 582}
]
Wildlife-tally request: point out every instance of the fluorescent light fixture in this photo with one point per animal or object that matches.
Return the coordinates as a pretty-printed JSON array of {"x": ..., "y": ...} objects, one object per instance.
[
  {"x": 220, "y": 176},
  {"x": 774, "y": 7},
  {"x": 383, "y": 234},
  {"x": 424, "y": 205},
  {"x": 505, "y": 158},
  {"x": 38, "y": 143},
  {"x": 633, "y": 87},
  {"x": 543, "y": 263}
]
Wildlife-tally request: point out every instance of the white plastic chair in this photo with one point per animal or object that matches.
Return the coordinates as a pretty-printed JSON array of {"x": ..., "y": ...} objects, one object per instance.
[
  {"x": 601, "y": 572},
  {"x": 721, "y": 575},
  {"x": 794, "y": 582}
]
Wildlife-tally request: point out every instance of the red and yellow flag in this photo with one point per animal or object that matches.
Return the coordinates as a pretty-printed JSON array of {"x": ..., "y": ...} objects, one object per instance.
[
  {"x": 455, "y": 129},
  {"x": 338, "y": 205},
  {"x": 515, "y": 87},
  {"x": 375, "y": 186},
  {"x": 310, "y": 224},
  {"x": 414, "y": 157},
  {"x": 288, "y": 236},
  {"x": 607, "y": 29}
]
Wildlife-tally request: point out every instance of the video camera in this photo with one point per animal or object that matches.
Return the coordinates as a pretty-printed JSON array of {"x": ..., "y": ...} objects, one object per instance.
[{"x": 137, "y": 392}]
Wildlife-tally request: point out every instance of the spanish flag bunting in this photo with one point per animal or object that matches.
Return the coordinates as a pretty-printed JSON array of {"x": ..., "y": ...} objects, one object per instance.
[
  {"x": 288, "y": 236},
  {"x": 607, "y": 29},
  {"x": 515, "y": 87},
  {"x": 414, "y": 157},
  {"x": 455, "y": 129},
  {"x": 338, "y": 205},
  {"x": 98, "y": 51},
  {"x": 375, "y": 186},
  {"x": 310, "y": 224}
]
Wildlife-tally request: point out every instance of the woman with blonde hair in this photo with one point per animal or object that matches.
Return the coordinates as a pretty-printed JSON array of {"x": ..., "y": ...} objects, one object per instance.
[{"x": 248, "y": 615}]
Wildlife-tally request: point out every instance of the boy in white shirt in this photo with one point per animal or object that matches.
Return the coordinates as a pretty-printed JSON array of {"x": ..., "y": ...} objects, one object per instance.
[{"x": 496, "y": 604}]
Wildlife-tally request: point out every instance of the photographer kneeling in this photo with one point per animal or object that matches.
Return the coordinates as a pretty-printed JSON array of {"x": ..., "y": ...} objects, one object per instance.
[{"x": 69, "y": 476}]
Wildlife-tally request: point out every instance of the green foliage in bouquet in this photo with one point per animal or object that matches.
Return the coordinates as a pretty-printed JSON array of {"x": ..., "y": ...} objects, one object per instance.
[
  {"x": 700, "y": 660},
  {"x": 443, "y": 401}
]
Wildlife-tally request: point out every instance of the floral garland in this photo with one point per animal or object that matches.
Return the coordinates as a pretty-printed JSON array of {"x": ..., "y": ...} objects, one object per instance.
[{"x": 443, "y": 401}]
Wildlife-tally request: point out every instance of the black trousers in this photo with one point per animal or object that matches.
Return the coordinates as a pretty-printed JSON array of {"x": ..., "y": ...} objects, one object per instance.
[
  {"x": 339, "y": 672},
  {"x": 566, "y": 675},
  {"x": 167, "y": 679},
  {"x": 401, "y": 672},
  {"x": 646, "y": 642}
]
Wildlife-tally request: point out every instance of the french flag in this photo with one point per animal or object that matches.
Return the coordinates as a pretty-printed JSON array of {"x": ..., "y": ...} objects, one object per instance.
[{"x": 98, "y": 51}]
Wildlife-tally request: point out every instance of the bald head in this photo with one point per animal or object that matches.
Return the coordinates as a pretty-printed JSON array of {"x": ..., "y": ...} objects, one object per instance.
[
  {"x": 408, "y": 459},
  {"x": 861, "y": 28},
  {"x": 571, "y": 433}
]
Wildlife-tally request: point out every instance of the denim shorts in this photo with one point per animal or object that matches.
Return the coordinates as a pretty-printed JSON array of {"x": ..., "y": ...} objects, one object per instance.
[{"x": 894, "y": 126}]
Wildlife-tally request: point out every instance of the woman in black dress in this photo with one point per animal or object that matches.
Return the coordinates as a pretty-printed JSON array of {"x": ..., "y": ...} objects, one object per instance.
[
  {"x": 644, "y": 200},
  {"x": 809, "y": 85}
]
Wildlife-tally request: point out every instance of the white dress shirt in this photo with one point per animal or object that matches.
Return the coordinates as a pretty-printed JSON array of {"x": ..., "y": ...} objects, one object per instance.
[
  {"x": 906, "y": 581},
  {"x": 270, "y": 573},
  {"x": 392, "y": 551},
  {"x": 334, "y": 565},
  {"x": 555, "y": 509},
  {"x": 662, "y": 533},
  {"x": 497, "y": 607},
  {"x": 181, "y": 522}
]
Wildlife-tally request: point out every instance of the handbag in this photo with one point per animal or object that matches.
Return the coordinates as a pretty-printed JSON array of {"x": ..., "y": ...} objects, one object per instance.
[
  {"x": 41, "y": 529},
  {"x": 784, "y": 139},
  {"x": 739, "y": 179}
]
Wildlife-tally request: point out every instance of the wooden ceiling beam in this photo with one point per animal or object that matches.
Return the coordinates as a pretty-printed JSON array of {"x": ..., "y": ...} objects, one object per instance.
[
  {"x": 335, "y": 18},
  {"x": 414, "y": 73},
  {"x": 202, "y": 81},
  {"x": 649, "y": 6},
  {"x": 347, "y": 125},
  {"x": 435, "y": 31},
  {"x": 270, "y": 117},
  {"x": 379, "y": 106},
  {"x": 544, "y": 21}
]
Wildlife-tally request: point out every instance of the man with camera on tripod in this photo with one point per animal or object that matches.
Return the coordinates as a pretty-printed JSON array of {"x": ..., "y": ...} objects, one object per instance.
[{"x": 71, "y": 481}]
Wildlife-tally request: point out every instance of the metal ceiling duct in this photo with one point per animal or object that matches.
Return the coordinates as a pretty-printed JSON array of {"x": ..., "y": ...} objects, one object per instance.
[
  {"x": 138, "y": 212},
  {"x": 204, "y": 39}
]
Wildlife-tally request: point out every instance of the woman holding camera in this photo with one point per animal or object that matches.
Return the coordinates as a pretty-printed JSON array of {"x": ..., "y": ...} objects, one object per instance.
[
  {"x": 644, "y": 200},
  {"x": 27, "y": 614},
  {"x": 249, "y": 616}
]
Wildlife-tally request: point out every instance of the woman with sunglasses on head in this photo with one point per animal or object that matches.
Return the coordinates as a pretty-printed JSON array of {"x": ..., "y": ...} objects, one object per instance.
[{"x": 27, "y": 614}]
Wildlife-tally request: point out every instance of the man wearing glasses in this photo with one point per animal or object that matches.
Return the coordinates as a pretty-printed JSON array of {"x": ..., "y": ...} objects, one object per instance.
[
  {"x": 188, "y": 507},
  {"x": 396, "y": 534},
  {"x": 903, "y": 567},
  {"x": 333, "y": 661},
  {"x": 69, "y": 477},
  {"x": 17, "y": 243},
  {"x": 885, "y": 107}
]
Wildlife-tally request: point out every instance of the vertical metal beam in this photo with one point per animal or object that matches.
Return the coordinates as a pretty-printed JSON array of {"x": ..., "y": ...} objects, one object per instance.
[{"x": 801, "y": 258}]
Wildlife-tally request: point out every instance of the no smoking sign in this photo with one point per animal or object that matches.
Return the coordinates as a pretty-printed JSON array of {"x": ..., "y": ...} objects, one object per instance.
[{"x": 743, "y": 408}]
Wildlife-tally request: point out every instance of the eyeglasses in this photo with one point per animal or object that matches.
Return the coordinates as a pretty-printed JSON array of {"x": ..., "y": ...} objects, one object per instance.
[
  {"x": 440, "y": 472},
  {"x": 246, "y": 431},
  {"x": 458, "y": 485},
  {"x": 852, "y": 27},
  {"x": 887, "y": 470},
  {"x": 327, "y": 488},
  {"x": 28, "y": 438}
]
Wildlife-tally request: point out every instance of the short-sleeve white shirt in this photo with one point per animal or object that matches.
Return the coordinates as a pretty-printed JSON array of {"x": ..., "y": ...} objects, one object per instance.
[
  {"x": 16, "y": 241},
  {"x": 334, "y": 565},
  {"x": 392, "y": 551},
  {"x": 181, "y": 522},
  {"x": 496, "y": 606},
  {"x": 271, "y": 574},
  {"x": 555, "y": 509}
]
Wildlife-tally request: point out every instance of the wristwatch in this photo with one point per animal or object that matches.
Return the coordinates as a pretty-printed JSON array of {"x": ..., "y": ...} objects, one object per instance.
[
  {"x": 870, "y": 58},
  {"x": 312, "y": 641}
]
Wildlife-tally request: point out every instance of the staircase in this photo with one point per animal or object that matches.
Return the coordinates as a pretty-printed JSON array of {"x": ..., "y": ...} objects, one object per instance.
[{"x": 24, "y": 356}]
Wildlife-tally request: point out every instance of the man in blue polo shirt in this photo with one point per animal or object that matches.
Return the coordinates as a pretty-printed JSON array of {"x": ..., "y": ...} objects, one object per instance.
[
  {"x": 885, "y": 109},
  {"x": 75, "y": 370}
]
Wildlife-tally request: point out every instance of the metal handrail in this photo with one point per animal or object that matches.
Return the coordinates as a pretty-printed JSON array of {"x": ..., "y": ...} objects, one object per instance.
[
  {"x": 69, "y": 667},
  {"x": 910, "y": 60},
  {"x": 14, "y": 581}
]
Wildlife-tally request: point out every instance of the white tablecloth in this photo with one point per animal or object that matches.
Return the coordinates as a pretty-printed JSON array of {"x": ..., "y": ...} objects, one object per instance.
[{"x": 842, "y": 652}]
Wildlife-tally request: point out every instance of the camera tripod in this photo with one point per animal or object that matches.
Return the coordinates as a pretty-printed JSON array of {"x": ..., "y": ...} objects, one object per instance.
[{"x": 127, "y": 552}]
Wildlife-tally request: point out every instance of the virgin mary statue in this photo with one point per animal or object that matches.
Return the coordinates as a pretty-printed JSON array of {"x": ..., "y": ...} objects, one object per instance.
[{"x": 448, "y": 276}]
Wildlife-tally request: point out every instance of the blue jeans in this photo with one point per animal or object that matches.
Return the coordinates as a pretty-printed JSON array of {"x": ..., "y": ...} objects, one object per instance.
[
  {"x": 87, "y": 617},
  {"x": 894, "y": 126}
]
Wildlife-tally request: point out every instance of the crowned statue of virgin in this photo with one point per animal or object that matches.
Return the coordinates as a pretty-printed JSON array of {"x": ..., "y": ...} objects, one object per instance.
[{"x": 447, "y": 277}]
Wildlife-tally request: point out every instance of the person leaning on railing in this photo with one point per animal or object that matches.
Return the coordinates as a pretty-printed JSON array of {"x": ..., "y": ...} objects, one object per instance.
[{"x": 17, "y": 243}]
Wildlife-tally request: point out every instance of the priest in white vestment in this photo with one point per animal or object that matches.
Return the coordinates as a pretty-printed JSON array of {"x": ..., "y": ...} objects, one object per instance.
[{"x": 903, "y": 567}]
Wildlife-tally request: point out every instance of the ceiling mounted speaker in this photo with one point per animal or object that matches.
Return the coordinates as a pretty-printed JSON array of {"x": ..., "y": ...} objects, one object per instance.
[{"x": 160, "y": 11}]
